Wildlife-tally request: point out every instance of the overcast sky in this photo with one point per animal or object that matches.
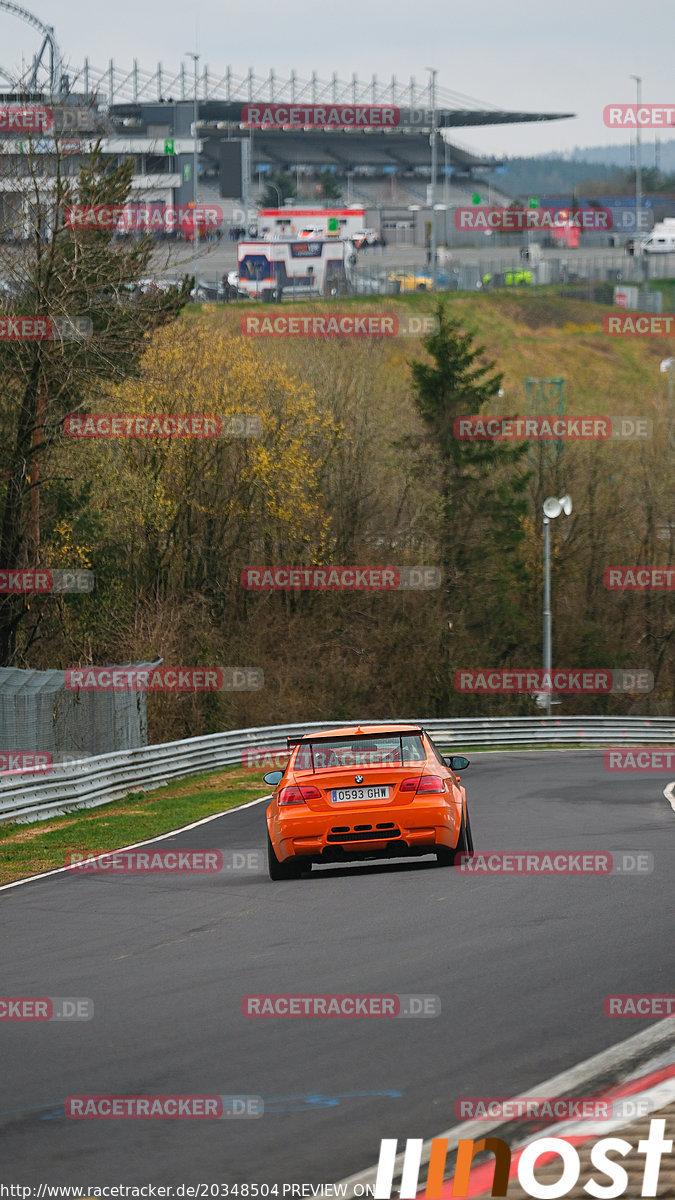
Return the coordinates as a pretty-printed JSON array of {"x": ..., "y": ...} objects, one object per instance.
[{"x": 572, "y": 56}]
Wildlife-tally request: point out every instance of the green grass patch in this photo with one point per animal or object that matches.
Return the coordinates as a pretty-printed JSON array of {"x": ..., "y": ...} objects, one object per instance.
[{"x": 28, "y": 849}]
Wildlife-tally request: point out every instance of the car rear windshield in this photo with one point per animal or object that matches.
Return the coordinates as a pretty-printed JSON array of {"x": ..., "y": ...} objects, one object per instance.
[{"x": 395, "y": 750}]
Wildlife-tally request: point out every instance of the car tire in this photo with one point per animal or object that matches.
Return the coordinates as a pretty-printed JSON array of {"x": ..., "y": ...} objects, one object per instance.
[
  {"x": 469, "y": 835},
  {"x": 281, "y": 870}
]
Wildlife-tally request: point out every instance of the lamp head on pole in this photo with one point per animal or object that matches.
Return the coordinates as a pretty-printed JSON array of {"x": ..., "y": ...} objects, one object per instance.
[{"x": 554, "y": 507}]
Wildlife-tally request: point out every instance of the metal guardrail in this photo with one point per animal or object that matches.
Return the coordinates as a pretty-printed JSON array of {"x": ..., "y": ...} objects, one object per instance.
[{"x": 92, "y": 781}]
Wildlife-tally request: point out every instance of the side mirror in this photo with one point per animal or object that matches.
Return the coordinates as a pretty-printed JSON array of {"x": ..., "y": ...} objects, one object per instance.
[
  {"x": 273, "y": 778},
  {"x": 457, "y": 762}
]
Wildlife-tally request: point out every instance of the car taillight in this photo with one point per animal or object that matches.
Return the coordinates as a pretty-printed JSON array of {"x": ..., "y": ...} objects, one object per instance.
[
  {"x": 423, "y": 783},
  {"x": 296, "y": 795},
  {"x": 431, "y": 783},
  {"x": 409, "y": 785}
]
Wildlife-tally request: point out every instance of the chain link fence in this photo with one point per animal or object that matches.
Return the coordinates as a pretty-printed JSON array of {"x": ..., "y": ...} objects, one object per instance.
[{"x": 39, "y": 714}]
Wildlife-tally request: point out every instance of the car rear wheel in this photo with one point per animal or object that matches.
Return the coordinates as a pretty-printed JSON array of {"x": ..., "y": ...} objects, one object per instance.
[
  {"x": 469, "y": 835},
  {"x": 445, "y": 857},
  {"x": 292, "y": 869}
]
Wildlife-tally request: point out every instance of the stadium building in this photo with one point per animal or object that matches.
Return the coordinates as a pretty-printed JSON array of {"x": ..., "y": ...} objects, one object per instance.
[{"x": 154, "y": 117}]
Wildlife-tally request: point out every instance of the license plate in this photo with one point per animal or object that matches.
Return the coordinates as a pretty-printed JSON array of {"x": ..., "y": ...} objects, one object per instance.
[{"x": 380, "y": 792}]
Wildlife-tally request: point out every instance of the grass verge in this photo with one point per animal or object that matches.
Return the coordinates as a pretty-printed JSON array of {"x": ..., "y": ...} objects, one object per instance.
[{"x": 28, "y": 849}]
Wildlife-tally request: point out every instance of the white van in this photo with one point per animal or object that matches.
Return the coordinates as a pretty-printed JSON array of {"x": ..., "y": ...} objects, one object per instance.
[{"x": 659, "y": 241}]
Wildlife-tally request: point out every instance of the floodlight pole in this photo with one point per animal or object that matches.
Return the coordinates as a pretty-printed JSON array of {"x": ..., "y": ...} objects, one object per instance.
[
  {"x": 434, "y": 171},
  {"x": 547, "y": 606},
  {"x": 668, "y": 364},
  {"x": 195, "y": 166},
  {"x": 554, "y": 507},
  {"x": 638, "y": 161}
]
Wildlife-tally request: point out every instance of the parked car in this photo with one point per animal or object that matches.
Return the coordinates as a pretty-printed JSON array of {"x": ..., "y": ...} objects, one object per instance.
[{"x": 411, "y": 281}]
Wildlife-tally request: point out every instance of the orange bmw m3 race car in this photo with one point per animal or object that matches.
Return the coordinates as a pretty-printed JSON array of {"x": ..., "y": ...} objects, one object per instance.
[{"x": 365, "y": 792}]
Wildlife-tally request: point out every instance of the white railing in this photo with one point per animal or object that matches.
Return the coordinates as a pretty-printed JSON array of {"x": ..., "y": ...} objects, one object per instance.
[{"x": 92, "y": 781}]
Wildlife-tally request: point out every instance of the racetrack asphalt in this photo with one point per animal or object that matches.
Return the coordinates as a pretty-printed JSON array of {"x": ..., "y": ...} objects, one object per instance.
[{"x": 521, "y": 966}]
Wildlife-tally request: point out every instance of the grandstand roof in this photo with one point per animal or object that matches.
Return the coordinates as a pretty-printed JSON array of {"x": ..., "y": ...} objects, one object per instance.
[
  {"x": 414, "y": 119},
  {"x": 138, "y": 85}
]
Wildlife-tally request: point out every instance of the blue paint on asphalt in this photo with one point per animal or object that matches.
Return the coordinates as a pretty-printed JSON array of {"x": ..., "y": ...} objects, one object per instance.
[{"x": 314, "y": 1100}]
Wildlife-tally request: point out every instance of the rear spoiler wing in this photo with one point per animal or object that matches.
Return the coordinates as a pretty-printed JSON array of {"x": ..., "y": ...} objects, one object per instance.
[{"x": 308, "y": 737}]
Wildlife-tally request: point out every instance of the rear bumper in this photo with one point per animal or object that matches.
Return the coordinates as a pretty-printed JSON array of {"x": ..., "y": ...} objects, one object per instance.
[{"x": 381, "y": 832}]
